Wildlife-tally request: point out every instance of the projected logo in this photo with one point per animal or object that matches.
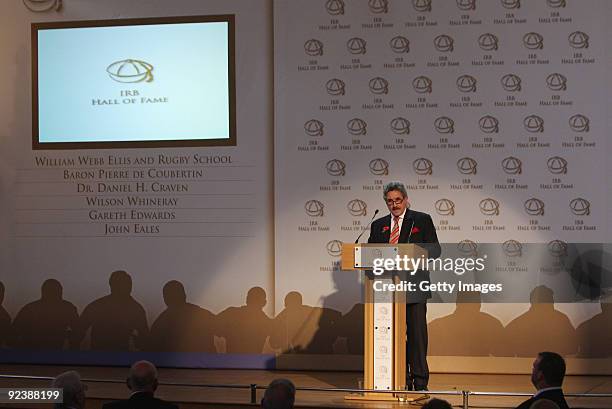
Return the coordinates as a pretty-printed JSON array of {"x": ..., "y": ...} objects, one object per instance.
[
  {"x": 466, "y": 5},
  {"x": 489, "y": 124},
  {"x": 468, "y": 248},
  {"x": 533, "y": 124},
  {"x": 421, "y": 5},
  {"x": 512, "y": 165},
  {"x": 445, "y": 207},
  {"x": 399, "y": 45},
  {"x": 39, "y": 6},
  {"x": 488, "y": 42},
  {"x": 379, "y": 167},
  {"x": 314, "y": 127},
  {"x": 378, "y": 85},
  {"x": 335, "y": 87},
  {"x": 555, "y": 4},
  {"x": 557, "y": 248},
  {"x": 444, "y": 43},
  {"x": 444, "y": 125},
  {"x": 533, "y": 41},
  {"x": 422, "y": 85},
  {"x": 357, "y": 207},
  {"x": 511, "y": 82},
  {"x": 466, "y": 83},
  {"x": 579, "y": 123},
  {"x": 335, "y": 167},
  {"x": 556, "y": 82},
  {"x": 512, "y": 248},
  {"x": 422, "y": 166},
  {"x": 400, "y": 126},
  {"x": 334, "y": 7},
  {"x": 534, "y": 207},
  {"x": 378, "y": 6},
  {"x": 467, "y": 166},
  {"x": 334, "y": 248},
  {"x": 314, "y": 208},
  {"x": 511, "y": 4},
  {"x": 313, "y": 47},
  {"x": 130, "y": 71},
  {"x": 578, "y": 40},
  {"x": 357, "y": 126},
  {"x": 489, "y": 207},
  {"x": 356, "y": 45},
  {"x": 580, "y": 207},
  {"x": 557, "y": 165}
]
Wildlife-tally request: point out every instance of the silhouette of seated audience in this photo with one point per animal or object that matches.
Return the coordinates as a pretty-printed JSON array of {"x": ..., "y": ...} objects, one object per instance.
[
  {"x": 246, "y": 328},
  {"x": 437, "y": 404},
  {"x": 117, "y": 321},
  {"x": 47, "y": 323},
  {"x": 300, "y": 328},
  {"x": 467, "y": 331},
  {"x": 595, "y": 334},
  {"x": 142, "y": 382},
  {"x": 521, "y": 340},
  {"x": 182, "y": 327}
]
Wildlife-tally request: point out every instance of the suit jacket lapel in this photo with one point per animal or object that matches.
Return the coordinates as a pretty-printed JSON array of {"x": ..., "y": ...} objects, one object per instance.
[
  {"x": 386, "y": 234},
  {"x": 406, "y": 226}
]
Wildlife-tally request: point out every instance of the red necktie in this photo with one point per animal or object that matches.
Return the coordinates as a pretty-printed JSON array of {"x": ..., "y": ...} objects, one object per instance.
[{"x": 395, "y": 232}]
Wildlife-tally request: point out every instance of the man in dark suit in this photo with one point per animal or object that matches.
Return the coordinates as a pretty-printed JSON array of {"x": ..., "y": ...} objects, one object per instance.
[
  {"x": 547, "y": 376},
  {"x": 403, "y": 225},
  {"x": 142, "y": 381}
]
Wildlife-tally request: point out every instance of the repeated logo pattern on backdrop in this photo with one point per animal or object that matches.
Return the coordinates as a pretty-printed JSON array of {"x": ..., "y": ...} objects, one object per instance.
[{"x": 491, "y": 112}]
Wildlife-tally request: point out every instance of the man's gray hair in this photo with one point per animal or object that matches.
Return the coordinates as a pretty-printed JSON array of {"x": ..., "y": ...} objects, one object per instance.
[
  {"x": 399, "y": 186},
  {"x": 73, "y": 389},
  {"x": 143, "y": 376},
  {"x": 280, "y": 394}
]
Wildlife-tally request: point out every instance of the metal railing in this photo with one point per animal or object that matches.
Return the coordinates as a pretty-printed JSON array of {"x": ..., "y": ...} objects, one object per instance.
[{"x": 253, "y": 387}]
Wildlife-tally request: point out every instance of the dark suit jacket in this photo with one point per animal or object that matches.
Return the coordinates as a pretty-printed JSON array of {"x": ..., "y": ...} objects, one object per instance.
[
  {"x": 423, "y": 234},
  {"x": 140, "y": 400},
  {"x": 556, "y": 395}
]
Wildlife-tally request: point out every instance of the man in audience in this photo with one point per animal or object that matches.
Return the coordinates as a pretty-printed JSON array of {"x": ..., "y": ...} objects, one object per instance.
[
  {"x": 73, "y": 390},
  {"x": 437, "y": 404},
  {"x": 142, "y": 381},
  {"x": 544, "y": 404},
  {"x": 280, "y": 394},
  {"x": 547, "y": 376}
]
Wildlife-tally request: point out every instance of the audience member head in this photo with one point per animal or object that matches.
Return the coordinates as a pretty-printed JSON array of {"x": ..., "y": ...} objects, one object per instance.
[
  {"x": 437, "y": 404},
  {"x": 293, "y": 299},
  {"x": 120, "y": 283},
  {"x": 544, "y": 404},
  {"x": 541, "y": 295},
  {"x": 142, "y": 377},
  {"x": 548, "y": 370},
  {"x": 1, "y": 292},
  {"x": 51, "y": 290},
  {"x": 73, "y": 390},
  {"x": 256, "y": 297},
  {"x": 280, "y": 394},
  {"x": 174, "y": 294}
]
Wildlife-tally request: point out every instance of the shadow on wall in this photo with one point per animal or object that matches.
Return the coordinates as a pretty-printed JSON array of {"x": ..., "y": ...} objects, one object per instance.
[{"x": 117, "y": 322}]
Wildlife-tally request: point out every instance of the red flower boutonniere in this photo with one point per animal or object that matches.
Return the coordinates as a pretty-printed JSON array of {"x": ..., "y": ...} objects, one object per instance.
[
  {"x": 415, "y": 230},
  {"x": 386, "y": 228}
]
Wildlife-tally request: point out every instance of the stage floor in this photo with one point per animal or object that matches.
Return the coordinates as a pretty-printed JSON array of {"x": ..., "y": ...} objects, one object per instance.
[{"x": 200, "y": 397}]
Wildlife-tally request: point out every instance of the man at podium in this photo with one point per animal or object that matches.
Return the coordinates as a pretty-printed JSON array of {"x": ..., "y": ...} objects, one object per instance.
[{"x": 403, "y": 225}]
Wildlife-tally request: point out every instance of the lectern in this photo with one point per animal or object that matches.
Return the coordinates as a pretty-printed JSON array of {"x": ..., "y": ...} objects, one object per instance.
[{"x": 384, "y": 357}]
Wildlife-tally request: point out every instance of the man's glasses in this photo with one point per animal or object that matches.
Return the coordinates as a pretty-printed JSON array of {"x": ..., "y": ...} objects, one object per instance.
[{"x": 391, "y": 202}]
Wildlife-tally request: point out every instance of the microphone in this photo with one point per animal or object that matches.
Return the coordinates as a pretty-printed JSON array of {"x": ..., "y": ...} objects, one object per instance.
[
  {"x": 371, "y": 220},
  {"x": 411, "y": 226}
]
